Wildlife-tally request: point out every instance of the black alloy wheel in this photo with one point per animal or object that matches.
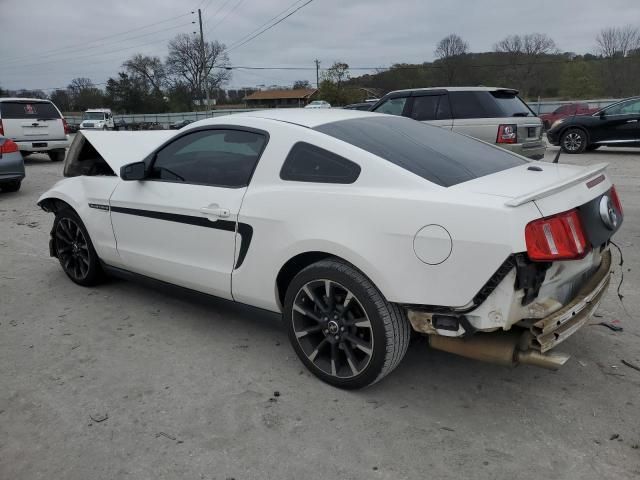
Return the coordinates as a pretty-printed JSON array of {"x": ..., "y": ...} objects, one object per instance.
[{"x": 74, "y": 249}]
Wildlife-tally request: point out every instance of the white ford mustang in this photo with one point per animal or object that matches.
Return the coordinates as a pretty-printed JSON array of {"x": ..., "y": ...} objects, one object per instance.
[{"x": 358, "y": 227}]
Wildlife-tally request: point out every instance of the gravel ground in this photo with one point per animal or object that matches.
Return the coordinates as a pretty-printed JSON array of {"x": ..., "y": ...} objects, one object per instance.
[{"x": 124, "y": 381}]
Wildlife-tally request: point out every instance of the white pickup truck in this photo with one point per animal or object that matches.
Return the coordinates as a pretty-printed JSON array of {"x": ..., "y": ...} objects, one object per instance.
[{"x": 97, "y": 119}]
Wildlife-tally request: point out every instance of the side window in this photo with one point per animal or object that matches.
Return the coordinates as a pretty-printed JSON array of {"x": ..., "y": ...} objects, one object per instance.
[
  {"x": 223, "y": 158},
  {"x": 425, "y": 107},
  {"x": 473, "y": 105},
  {"x": 308, "y": 163},
  {"x": 393, "y": 106},
  {"x": 625, "y": 108}
]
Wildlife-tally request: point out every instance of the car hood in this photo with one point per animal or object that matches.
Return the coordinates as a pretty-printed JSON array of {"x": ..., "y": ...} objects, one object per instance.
[{"x": 120, "y": 148}]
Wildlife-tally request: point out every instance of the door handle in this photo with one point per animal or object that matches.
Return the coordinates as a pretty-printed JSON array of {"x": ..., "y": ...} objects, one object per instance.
[
  {"x": 632, "y": 121},
  {"x": 215, "y": 211}
]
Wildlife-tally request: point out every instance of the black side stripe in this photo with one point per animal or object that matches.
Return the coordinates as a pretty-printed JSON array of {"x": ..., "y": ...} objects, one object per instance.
[{"x": 245, "y": 230}]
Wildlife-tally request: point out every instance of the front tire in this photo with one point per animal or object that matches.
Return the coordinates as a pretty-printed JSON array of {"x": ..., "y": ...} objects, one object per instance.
[
  {"x": 574, "y": 140},
  {"x": 74, "y": 249},
  {"x": 341, "y": 327}
]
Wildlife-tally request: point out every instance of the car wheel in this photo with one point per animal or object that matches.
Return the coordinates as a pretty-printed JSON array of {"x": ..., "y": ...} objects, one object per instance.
[
  {"x": 591, "y": 148},
  {"x": 12, "y": 186},
  {"x": 57, "y": 155},
  {"x": 341, "y": 327},
  {"x": 74, "y": 249},
  {"x": 573, "y": 140}
]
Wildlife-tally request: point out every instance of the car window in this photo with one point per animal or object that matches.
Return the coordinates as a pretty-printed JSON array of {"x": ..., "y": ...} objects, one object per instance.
[
  {"x": 393, "y": 106},
  {"x": 224, "y": 158},
  {"x": 624, "y": 108},
  {"x": 485, "y": 104},
  {"x": 28, "y": 110},
  {"x": 430, "y": 107},
  {"x": 308, "y": 163},
  {"x": 440, "y": 156}
]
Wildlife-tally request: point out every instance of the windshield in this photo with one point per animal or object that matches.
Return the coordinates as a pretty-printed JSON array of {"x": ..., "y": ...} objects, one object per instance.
[
  {"x": 93, "y": 116},
  {"x": 437, "y": 155}
]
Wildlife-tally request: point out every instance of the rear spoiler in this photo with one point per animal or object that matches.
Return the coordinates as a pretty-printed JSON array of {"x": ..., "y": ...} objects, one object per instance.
[{"x": 556, "y": 187}]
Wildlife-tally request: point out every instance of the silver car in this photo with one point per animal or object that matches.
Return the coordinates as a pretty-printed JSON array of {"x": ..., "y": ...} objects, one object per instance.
[
  {"x": 494, "y": 115},
  {"x": 11, "y": 165}
]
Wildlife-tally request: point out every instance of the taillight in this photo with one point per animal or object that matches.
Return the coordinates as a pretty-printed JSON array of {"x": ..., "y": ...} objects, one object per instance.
[
  {"x": 559, "y": 237},
  {"x": 9, "y": 146},
  {"x": 507, "y": 133},
  {"x": 66, "y": 127},
  {"x": 616, "y": 200},
  {"x": 1, "y": 128}
]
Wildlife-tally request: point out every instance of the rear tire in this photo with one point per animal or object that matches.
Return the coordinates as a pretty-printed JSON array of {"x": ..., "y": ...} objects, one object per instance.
[
  {"x": 74, "y": 249},
  {"x": 573, "y": 141},
  {"x": 57, "y": 155},
  {"x": 12, "y": 186},
  {"x": 341, "y": 327}
]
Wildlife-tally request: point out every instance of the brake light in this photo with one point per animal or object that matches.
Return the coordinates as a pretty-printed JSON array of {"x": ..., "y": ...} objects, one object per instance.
[
  {"x": 616, "y": 200},
  {"x": 559, "y": 237},
  {"x": 9, "y": 146},
  {"x": 66, "y": 127},
  {"x": 507, "y": 133}
]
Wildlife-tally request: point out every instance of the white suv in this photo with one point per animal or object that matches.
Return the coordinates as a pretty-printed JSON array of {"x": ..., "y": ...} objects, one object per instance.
[{"x": 36, "y": 125}]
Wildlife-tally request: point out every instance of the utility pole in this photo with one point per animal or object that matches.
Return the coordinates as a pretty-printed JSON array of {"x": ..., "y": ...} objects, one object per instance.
[
  {"x": 317, "y": 73},
  {"x": 204, "y": 60}
]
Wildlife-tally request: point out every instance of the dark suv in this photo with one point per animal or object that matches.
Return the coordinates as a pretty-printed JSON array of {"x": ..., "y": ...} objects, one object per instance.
[
  {"x": 494, "y": 115},
  {"x": 617, "y": 125}
]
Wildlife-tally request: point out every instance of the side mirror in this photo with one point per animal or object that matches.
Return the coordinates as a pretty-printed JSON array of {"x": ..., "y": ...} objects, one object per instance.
[
  {"x": 603, "y": 114},
  {"x": 134, "y": 171}
]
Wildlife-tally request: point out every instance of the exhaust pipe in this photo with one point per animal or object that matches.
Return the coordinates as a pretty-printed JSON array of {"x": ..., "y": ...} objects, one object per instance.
[{"x": 499, "y": 348}]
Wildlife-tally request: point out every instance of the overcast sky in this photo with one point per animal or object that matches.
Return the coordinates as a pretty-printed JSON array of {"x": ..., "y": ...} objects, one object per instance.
[{"x": 46, "y": 43}]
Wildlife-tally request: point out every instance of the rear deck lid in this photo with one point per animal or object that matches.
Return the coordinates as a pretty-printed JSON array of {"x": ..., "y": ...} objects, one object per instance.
[{"x": 31, "y": 120}]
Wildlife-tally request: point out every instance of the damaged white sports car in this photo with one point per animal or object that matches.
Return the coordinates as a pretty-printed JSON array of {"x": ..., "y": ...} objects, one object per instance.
[{"x": 358, "y": 227}]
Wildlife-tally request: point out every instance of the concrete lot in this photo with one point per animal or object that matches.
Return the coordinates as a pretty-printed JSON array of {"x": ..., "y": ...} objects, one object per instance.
[{"x": 189, "y": 385}]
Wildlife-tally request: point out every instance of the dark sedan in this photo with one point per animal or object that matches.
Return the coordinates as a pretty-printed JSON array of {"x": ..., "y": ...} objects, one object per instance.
[
  {"x": 11, "y": 165},
  {"x": 617, "y": 125},
  {"x": 180, "y": 124},
  {"x": 366, "y": 106}
]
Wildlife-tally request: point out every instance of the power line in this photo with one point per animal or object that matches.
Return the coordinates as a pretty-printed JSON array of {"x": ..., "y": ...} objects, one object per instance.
[
  {"x": 82, "y": 49},
  {"x": 252, "y": 35},
  {"x": 107, "y": 37},
  {"x": 240, "y": 2}
]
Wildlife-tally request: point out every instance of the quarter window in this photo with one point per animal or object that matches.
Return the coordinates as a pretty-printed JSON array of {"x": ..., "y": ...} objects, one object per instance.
[
  {"x": 223, "y": 158},
  {"x": 308, "y": 163},
  {"x": 393, "y": 106}
]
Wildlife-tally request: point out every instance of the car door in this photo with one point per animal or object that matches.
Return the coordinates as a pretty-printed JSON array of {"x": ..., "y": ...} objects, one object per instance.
[
  {"x": 431, "y": 107},
  {"x": 179, "y": 224},
  {"x": 619, "y": 124}
]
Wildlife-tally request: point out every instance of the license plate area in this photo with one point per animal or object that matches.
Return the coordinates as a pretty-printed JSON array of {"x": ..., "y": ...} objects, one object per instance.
[
  {"x": 39, "y": 144},
  {"x": 532, "y": 132}
]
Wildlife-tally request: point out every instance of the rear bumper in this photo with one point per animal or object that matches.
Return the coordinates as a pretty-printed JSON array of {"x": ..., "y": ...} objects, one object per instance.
[
  {"x": 11, "y": 167},
  {"x": 45, "y": 145},
  {"x": 534, "y": 150},
  {"x": 554, "y": 329}
]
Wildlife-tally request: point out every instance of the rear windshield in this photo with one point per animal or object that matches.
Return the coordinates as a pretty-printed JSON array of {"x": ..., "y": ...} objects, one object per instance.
[
  {"x": 485, "y": 104},
  {"x": 29, "y": 110},
  {"x": 437, "y": 155}
]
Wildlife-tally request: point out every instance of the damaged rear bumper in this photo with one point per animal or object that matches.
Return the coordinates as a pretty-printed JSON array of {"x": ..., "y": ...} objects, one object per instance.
[{"x": 548, "y": 332}]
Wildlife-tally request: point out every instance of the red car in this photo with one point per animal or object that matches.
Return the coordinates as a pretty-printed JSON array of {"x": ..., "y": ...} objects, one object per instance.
[{"x": 565, "y": 111}]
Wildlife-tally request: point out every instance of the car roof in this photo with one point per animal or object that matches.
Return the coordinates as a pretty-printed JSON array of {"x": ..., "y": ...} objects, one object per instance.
[
  {"x": 457, "y": 89},
  {"x": 304, "y": 116},
  {"x": 13, "y": 99}
]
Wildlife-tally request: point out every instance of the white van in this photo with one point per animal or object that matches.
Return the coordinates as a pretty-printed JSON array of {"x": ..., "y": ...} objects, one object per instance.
[
  {"x": 36, "y": 125},
  {"x": 97, "y": 119}
]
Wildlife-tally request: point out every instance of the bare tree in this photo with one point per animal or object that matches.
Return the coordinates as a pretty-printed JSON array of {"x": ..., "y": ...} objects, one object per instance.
[
  {"x": 337, "y": 73},
  {"x": 451, "y": 46},
  {"x": 529, "y": 44},
  {"x": 148, "y": 68},
  {"x": 617, "y": 41},
  {"x": 451, "y": 50},
  {"x": 186, "y": 63},
  {"x": 301, "y": 84}
]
